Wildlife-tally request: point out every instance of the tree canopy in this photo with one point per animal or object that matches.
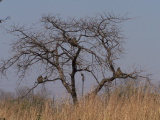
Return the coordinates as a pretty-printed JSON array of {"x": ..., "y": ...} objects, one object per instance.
[{"x": 64, "y": 48}]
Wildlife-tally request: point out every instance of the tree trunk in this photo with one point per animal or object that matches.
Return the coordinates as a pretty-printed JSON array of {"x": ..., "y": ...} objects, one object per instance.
[
  {"x": 73, "y": 94},
  {"x": 74, "y": 97}
]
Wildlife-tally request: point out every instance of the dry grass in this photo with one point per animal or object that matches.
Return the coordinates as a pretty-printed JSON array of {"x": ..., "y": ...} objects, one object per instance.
[{"x": 123, "y": 103}]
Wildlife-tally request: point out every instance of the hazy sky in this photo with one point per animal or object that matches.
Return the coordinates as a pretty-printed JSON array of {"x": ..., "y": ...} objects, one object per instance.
[{"x": 142, "y": 33}]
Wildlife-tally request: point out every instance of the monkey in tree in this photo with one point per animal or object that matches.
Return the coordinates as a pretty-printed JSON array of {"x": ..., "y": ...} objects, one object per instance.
[
  {"x": 40, "y": 79},
  {"x": 119, "y": 72},
  {"x": 73, "y": 42}
]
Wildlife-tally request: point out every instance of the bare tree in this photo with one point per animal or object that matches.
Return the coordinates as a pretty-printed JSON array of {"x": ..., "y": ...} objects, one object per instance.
[{"x": 88, "y": 45}]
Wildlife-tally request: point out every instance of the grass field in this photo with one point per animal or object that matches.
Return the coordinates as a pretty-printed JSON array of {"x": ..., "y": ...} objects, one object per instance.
[{"x": 122, "y": 103}]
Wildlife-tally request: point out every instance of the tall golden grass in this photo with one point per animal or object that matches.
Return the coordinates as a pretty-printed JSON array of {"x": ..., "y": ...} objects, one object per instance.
[{"x": 122, "y": 103}]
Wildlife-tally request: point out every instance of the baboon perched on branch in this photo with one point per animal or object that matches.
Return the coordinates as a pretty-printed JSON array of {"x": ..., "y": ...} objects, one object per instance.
[
  {"x": 40, "y": 79},
  {"x": 119, "y": 72},
  {"x": 73, "y": 42}
]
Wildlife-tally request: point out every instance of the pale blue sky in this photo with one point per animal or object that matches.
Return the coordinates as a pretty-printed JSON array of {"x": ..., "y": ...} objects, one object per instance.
[{"x": 142, "y": 32}]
